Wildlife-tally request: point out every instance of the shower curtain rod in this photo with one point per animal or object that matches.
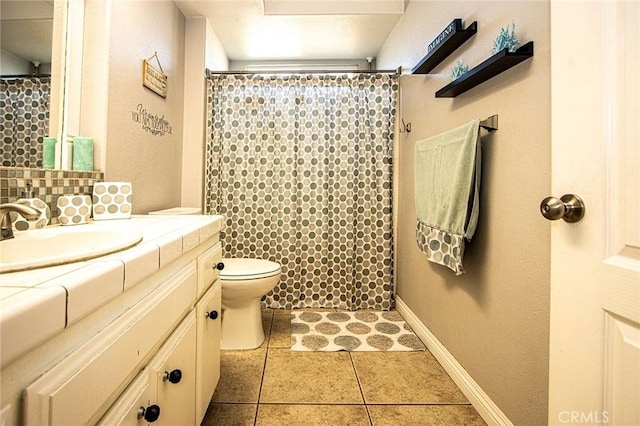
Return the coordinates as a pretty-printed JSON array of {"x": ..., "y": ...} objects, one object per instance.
[
  {"x": 397, "y": 71},
  {"x": 25, "y": 76}
]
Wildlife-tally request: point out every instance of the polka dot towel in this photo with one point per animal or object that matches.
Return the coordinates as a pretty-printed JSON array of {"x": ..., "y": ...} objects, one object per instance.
[{"x": 352, "y": 331}]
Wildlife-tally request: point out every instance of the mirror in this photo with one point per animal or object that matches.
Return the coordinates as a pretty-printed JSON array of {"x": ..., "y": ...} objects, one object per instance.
[{"x": 32, "y": 39}]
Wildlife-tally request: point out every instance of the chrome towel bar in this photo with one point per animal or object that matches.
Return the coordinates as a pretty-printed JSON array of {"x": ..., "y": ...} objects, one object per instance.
[{"x": 490, "y": 123}]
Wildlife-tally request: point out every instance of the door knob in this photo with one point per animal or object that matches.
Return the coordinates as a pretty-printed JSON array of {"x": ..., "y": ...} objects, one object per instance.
[{"x": 569, "y": 207}]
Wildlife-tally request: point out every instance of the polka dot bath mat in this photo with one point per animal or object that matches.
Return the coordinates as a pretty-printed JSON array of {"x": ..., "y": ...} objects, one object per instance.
[{"x": 352, "y": 331}]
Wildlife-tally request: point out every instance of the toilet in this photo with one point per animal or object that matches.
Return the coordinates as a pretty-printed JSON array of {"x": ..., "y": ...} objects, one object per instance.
[{"x": 244, "y": 282}]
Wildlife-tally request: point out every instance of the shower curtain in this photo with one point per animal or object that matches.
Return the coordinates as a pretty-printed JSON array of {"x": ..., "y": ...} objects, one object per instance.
[
  {"x": 24, "y": 108},
  {"x": 300, "y": 166}
]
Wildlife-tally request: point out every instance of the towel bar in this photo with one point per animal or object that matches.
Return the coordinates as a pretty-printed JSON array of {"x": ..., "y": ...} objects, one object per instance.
[{"x": 490, "y": 123}]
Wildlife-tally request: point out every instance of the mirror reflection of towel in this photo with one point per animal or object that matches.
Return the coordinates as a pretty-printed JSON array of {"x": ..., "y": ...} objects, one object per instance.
[{"x": 447, "y": 188}]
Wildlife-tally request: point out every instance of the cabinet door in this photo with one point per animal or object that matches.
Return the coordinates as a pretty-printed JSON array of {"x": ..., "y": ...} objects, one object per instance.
[
  {"x": 207, "y": 348},
  {"x": 208, "y": 264},
  {"x": 174, "y": 371},
  {"x": 138, "y": 401},
  {"x": 6, "y": 415}
]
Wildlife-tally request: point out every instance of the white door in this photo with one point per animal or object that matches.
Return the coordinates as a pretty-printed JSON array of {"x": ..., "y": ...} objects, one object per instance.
[{"x": 595, "y": 263}]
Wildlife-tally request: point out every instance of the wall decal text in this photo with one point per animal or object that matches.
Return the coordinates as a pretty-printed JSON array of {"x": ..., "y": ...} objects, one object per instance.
[{"x": 150, "y": 122}]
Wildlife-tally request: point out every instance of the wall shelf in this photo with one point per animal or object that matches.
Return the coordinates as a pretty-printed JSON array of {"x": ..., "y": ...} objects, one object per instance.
[
  {"x": 493, "y": 66},
  {"x": 445, "y": 46}
]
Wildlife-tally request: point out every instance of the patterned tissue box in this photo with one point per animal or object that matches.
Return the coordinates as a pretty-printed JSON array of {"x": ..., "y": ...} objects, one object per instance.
[
  {"x": 22, "y": 224},
  {"x": 112, "y": 200},
  {"x": 74, "y": 209}
]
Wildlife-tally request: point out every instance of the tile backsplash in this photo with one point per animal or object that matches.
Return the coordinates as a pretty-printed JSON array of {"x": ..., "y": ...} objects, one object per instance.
[{"x": 48, "y": 185}]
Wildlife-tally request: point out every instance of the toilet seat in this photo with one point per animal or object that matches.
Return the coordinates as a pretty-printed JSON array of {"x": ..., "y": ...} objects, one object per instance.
[{"x": 248, "y": 269}]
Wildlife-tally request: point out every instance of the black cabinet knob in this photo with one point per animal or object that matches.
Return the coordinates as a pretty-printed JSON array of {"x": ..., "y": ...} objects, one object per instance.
[
  {"x": 173, "y": 377},
  {"x": 220, "y": 266},
  {"x": 212, "y": 315},
  {"x": 150, "y": 414}
]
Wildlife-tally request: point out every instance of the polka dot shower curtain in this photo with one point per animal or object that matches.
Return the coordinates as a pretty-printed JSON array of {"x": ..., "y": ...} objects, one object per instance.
[
  {"x": 301, "y": 168},
  {"x": 24, "y": 108}
]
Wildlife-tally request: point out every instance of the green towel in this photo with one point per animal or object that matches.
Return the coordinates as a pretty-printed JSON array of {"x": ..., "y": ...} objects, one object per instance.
[{"x": 447, "y": 180}]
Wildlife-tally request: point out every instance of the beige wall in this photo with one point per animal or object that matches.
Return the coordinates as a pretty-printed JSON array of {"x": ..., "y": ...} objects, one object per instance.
[
  {"x": 202, "y": 50},
  {"x": 495, "y": 318},
  {"x": 118, "y": 36}
]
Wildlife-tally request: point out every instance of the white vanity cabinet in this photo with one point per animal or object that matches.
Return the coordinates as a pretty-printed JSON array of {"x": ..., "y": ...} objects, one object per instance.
[
  {"x": 79, "y": 389},
  {"x": 155, "y": 361}
]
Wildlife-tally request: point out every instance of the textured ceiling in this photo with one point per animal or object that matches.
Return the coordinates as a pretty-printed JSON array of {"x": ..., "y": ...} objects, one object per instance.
[
  {"x": 26, "y": 29},
  {"x": 247, "y": 34}
]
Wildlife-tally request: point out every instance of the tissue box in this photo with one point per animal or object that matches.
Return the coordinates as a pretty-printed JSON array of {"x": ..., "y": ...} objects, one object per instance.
[
  {"x": 112, "y": 200},
  {"x": 74, "y": 209}
]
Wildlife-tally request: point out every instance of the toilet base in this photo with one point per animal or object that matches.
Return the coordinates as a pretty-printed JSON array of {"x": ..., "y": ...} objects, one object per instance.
[{"x": 242, "y": 326}]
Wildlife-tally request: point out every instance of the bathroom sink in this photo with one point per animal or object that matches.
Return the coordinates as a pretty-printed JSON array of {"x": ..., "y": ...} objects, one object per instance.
[{"x": 58, "y": 245}]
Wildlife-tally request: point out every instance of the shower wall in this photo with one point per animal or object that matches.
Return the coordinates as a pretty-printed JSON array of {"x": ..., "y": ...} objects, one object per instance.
[{"x": 495, "y": 318}]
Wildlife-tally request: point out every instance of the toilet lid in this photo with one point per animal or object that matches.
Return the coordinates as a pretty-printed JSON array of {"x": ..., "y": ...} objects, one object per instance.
[{"x": 247, "y": 269}]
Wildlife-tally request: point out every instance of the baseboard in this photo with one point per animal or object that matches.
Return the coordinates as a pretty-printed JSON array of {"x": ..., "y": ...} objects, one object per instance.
[{"x": 487, "y": 409}]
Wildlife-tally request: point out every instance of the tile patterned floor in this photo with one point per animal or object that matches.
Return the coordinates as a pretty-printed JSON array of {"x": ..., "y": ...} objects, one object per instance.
[{"x": 272, "y": 385}]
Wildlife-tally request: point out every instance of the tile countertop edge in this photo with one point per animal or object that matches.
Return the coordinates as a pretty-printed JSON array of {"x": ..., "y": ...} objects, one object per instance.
[
  {"x": 154, "y": 231},
  {"x": 158, "y": 231}
]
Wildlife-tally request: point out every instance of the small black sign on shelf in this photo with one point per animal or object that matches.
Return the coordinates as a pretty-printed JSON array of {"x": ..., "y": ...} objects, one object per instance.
[{"x": 452, "y": 37}]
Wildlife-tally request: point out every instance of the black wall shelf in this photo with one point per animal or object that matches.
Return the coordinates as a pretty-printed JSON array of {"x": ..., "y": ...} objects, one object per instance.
[
  {"x": 493, "y": 66},
  {"x": 446, "y": 46}
]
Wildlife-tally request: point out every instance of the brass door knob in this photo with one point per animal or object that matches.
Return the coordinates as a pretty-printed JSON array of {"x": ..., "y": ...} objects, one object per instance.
[{"x": 569, "y": 207}]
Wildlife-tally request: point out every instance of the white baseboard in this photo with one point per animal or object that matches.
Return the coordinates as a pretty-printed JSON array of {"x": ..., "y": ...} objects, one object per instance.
[{"x": 487, "y": 409}]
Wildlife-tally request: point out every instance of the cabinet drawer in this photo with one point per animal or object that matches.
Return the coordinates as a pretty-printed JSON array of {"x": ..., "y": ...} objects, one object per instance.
[
  {"x": 125, "y": 411},
  {"x": 208, "y": 348},
  {"x": 80, "y": 388},
  {"x": 207, "y": 271}
]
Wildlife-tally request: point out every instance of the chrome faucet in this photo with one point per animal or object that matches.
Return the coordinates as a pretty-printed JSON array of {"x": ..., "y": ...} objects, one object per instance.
[{"x": 29, "y": 213}]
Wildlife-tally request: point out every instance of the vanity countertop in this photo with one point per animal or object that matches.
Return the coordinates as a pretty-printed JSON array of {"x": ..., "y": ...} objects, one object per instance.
[{"x": 64, "y": 294}]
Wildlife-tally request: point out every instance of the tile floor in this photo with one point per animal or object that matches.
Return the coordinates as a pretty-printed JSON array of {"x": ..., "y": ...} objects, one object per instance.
[{"x": 272, "y": 385}]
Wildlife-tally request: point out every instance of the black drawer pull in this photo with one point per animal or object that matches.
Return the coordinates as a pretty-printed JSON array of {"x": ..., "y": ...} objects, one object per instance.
[
  {"x": 150, "y": 414},
  {"x": 173, "y": 377}
]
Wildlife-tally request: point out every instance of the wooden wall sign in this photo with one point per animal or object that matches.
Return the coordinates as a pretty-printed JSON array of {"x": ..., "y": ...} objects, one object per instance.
[{"x": 153, "y": 78}]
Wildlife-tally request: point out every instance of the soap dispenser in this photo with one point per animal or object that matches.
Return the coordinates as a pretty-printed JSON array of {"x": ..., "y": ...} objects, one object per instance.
[{"x": 20, "y": 223}]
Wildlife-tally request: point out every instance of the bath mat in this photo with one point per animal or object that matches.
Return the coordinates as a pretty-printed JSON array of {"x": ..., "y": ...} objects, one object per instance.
[{"x": 352, "y": 331}]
